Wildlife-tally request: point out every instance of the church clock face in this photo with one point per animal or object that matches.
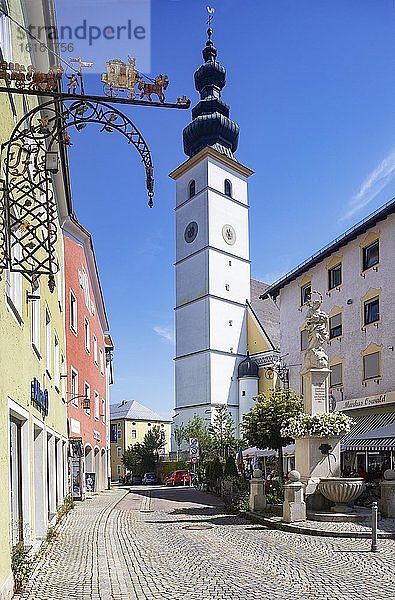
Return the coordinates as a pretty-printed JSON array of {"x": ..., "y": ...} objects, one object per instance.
[
  {"x": 229, "y": 234},
  {"x": 191, "y": 231}
]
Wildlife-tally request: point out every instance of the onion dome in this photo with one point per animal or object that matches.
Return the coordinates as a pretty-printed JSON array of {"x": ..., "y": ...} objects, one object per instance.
[
  {"x": 210, "y": 125},
  {"x": 248, "y": 368}
]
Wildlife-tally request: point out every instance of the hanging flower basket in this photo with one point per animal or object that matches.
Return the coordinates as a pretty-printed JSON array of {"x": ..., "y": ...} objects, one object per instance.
[{"x": 323, "y": 425}]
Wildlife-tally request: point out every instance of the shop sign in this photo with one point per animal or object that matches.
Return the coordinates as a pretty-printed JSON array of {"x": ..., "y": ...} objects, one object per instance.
[
  {"x": 39, "y": 397},
  {"x": 366, "y": 402},
  {"x": 76, "y": 477},
  {"x": 267, "y": 359}
]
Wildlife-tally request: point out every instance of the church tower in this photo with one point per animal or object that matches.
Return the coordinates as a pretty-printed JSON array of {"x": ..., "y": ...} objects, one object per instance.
[{"x": 212, "y": 254}]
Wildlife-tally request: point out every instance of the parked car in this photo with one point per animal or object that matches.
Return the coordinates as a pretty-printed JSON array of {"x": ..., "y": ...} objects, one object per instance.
[
  {"x": 150, "y": 479},
  {"x": 136, "y": 480},
  {"x": 179, "y": 477}
]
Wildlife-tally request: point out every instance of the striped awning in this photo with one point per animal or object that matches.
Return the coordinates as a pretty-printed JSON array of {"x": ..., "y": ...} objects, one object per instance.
[{"x": 371, "y": 432}]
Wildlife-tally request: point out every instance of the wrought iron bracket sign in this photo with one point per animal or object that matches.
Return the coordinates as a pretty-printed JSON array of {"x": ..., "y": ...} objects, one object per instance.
[{"x": 28, "y": 211}]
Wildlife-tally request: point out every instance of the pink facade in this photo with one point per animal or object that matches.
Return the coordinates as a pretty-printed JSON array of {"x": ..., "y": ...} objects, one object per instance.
[{"x": 87, "y": 376}]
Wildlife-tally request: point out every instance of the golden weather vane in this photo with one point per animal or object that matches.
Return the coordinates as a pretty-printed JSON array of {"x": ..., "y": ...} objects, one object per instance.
[{"x": 210, "y": 11}]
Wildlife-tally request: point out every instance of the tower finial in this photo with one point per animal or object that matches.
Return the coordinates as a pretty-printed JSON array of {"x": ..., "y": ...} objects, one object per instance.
[{"x": 210, "y": 11}]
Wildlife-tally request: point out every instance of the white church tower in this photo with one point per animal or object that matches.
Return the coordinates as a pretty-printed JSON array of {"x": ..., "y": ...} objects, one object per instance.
[{"x": 212, "y": 254}]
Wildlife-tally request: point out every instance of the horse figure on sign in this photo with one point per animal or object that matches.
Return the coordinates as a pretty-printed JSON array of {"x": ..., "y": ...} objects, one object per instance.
[{"x": 160, "y": 84}]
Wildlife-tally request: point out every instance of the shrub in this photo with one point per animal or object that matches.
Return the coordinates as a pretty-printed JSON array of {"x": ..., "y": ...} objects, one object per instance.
[{"x": 21, "y": 565}]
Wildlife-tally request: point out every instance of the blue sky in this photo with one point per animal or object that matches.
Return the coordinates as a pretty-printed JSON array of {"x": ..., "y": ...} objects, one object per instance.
[{"x": 311, "y": 84}]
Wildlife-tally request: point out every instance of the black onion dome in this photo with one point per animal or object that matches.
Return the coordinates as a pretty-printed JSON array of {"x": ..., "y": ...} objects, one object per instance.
[
  {"x": 211, "y": 125},
  {"x": 248, "y": 368}
]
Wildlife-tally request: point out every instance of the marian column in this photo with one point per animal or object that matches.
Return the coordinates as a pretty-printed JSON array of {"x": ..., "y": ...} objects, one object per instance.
[{"x": 312, "y": 459}]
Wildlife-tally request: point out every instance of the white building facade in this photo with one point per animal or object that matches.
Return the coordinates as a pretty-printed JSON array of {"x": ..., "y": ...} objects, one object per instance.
[{"x": 356, "y": 276}]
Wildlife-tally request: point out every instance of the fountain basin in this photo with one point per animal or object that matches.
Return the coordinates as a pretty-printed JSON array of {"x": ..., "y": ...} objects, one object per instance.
[{"x": 342, "y": 491}]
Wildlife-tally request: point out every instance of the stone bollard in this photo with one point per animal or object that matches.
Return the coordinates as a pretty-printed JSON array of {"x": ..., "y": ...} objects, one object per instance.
[
  {"x": 387, "y": 489},
  {"x": 294, "y": 506},
  {"x": 257, "y": 492}
]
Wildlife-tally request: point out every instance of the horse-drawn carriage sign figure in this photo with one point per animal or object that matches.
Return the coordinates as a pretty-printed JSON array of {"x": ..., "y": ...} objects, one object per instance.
[{"x": 121, "y": 76}]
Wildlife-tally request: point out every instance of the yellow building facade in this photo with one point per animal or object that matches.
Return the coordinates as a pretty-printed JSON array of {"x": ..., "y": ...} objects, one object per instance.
[
  {"x": 130, "y": 421},
  {"x": 33, "y": 430}
]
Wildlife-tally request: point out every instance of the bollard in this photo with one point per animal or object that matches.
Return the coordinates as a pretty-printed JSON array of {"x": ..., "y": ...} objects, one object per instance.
[{"x": 374, "y": 547}]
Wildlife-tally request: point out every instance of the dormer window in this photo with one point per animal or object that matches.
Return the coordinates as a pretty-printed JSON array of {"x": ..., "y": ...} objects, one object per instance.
[
  {"x": 228, "y": 188},
  {"x": 192, "y": 188}
]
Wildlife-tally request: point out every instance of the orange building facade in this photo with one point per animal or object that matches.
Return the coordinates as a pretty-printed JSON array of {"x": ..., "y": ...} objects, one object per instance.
[{"x": 88, "y": 365}]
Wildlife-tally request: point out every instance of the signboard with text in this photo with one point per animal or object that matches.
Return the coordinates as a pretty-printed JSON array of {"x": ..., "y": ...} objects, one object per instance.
[{"x": 366, "y": 402}]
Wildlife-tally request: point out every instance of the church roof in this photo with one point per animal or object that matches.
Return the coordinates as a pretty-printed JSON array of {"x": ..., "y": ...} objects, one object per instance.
[
  {"x": 132, "y": 410},
  {"x": 266, "y": 312},
  {"x": 210, "y": 125}
]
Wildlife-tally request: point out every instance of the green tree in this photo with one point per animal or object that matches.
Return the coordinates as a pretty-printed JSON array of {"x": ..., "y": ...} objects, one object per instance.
[
  {"x": 222, "y": 431},
  {"x": 214, "y": 474},
  {"x": 154, "y": 440},
  {"x": 262, "y": 425},
  {"x": 132, "y": 458},
  {"x": 196, "y": 428},
  {"x": 179, "y": 436},
  {"x": 230, "y": 469}
]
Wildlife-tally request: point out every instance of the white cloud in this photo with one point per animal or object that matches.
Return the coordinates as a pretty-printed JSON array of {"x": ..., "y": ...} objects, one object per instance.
[
  {"x": 374, "y": 183},
  {"x": 165, "y": 333}
]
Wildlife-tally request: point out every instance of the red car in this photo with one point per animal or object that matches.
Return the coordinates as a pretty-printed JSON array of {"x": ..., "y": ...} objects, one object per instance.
[{"x": 178, "y": 478}]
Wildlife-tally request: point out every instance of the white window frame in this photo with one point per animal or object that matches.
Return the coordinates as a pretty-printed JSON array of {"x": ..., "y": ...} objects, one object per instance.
[
  {"x": 96, "y": 405},
  {"x": 74, "y": 392},
  {"x": 48, "y": 341},
  {"x": 101, "y": 356},
  {"x": 95, "y": 358},
  {"x": 338, "y": 383},
  {"x": 13, "y": 285},
  {"x": 365, "y": 356},
  {"x": 119, "y": 451},
  {"x": 134, "y": 434},
  {"x": 103, "y": 409},
  {"x": 5, "y": 33},
  {"x": 56, "y": 360},
  {"x": 87, "y": 335},
  {"x": 73, "y": 312},
  {"x": 36, "y": 321},
  {"x": 63, "y": 376}
]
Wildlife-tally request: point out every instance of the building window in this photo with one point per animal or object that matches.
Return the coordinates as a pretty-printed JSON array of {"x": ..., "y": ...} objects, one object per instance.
[
  {"x": 335, "y": 326},
  {"x": 118, "y": 424},
  {"x": 97, "y": 406},
  {"x": 73, "y": 312},
  {"x": 119, "y": 434},
  {"x": 103, "y": 410},
  {"x": 228, "y": 188},
  {"x": 95, "y": 349},
  {"x": 101, "y": 355},
  {"x": 370, "y": 255},
  {"x": 13, "y": 283},
  {"x": 48, "y": 341},
  {"x": 5, "y": 32},
  {"x": 334, "y": 277},
  {"x": 134, "y": 434},
  {"x": 74, "y": 387},
  {"x": 87, "y": 395},
  {"x": 243, "y": 393},
  {"x": 371, "y": 365},
  {"x": 303, "y": 339},
  {"x": 56, "y": 359},
  {"x": 119, "y": 451},
  {"x": 192, "y": 188},
  {"x": 371, "y": 311},
  {"x": 87, "y": 335},
  {"x": 118, "y": 469},
  {"x": 336, "y": 376},
  {"x": 36, "y": 325},
  {"x": 305, "y": 293},
  {"x": 63, "y": 377}
]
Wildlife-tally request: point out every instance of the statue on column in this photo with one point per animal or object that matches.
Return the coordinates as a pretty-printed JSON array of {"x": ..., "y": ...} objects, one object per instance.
[{"x": 317, "y": 327}]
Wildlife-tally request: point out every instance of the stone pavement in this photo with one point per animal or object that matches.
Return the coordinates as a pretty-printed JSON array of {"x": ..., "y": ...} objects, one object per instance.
[{"x": 177, "y": 544}]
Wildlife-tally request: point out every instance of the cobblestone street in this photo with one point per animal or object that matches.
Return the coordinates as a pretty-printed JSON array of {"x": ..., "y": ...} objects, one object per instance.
[{"x": 176, "y": 544}]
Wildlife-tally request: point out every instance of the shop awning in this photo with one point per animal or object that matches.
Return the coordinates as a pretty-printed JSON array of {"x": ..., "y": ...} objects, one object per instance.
[{"x": 371, "y": 432}]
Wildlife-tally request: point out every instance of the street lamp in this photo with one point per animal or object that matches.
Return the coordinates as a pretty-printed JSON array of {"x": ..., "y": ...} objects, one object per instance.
[{"x": 86, "y": 404}]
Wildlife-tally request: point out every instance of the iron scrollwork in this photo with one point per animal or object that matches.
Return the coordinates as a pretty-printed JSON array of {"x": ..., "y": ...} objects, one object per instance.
[{"x": 28, "y": 212}]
